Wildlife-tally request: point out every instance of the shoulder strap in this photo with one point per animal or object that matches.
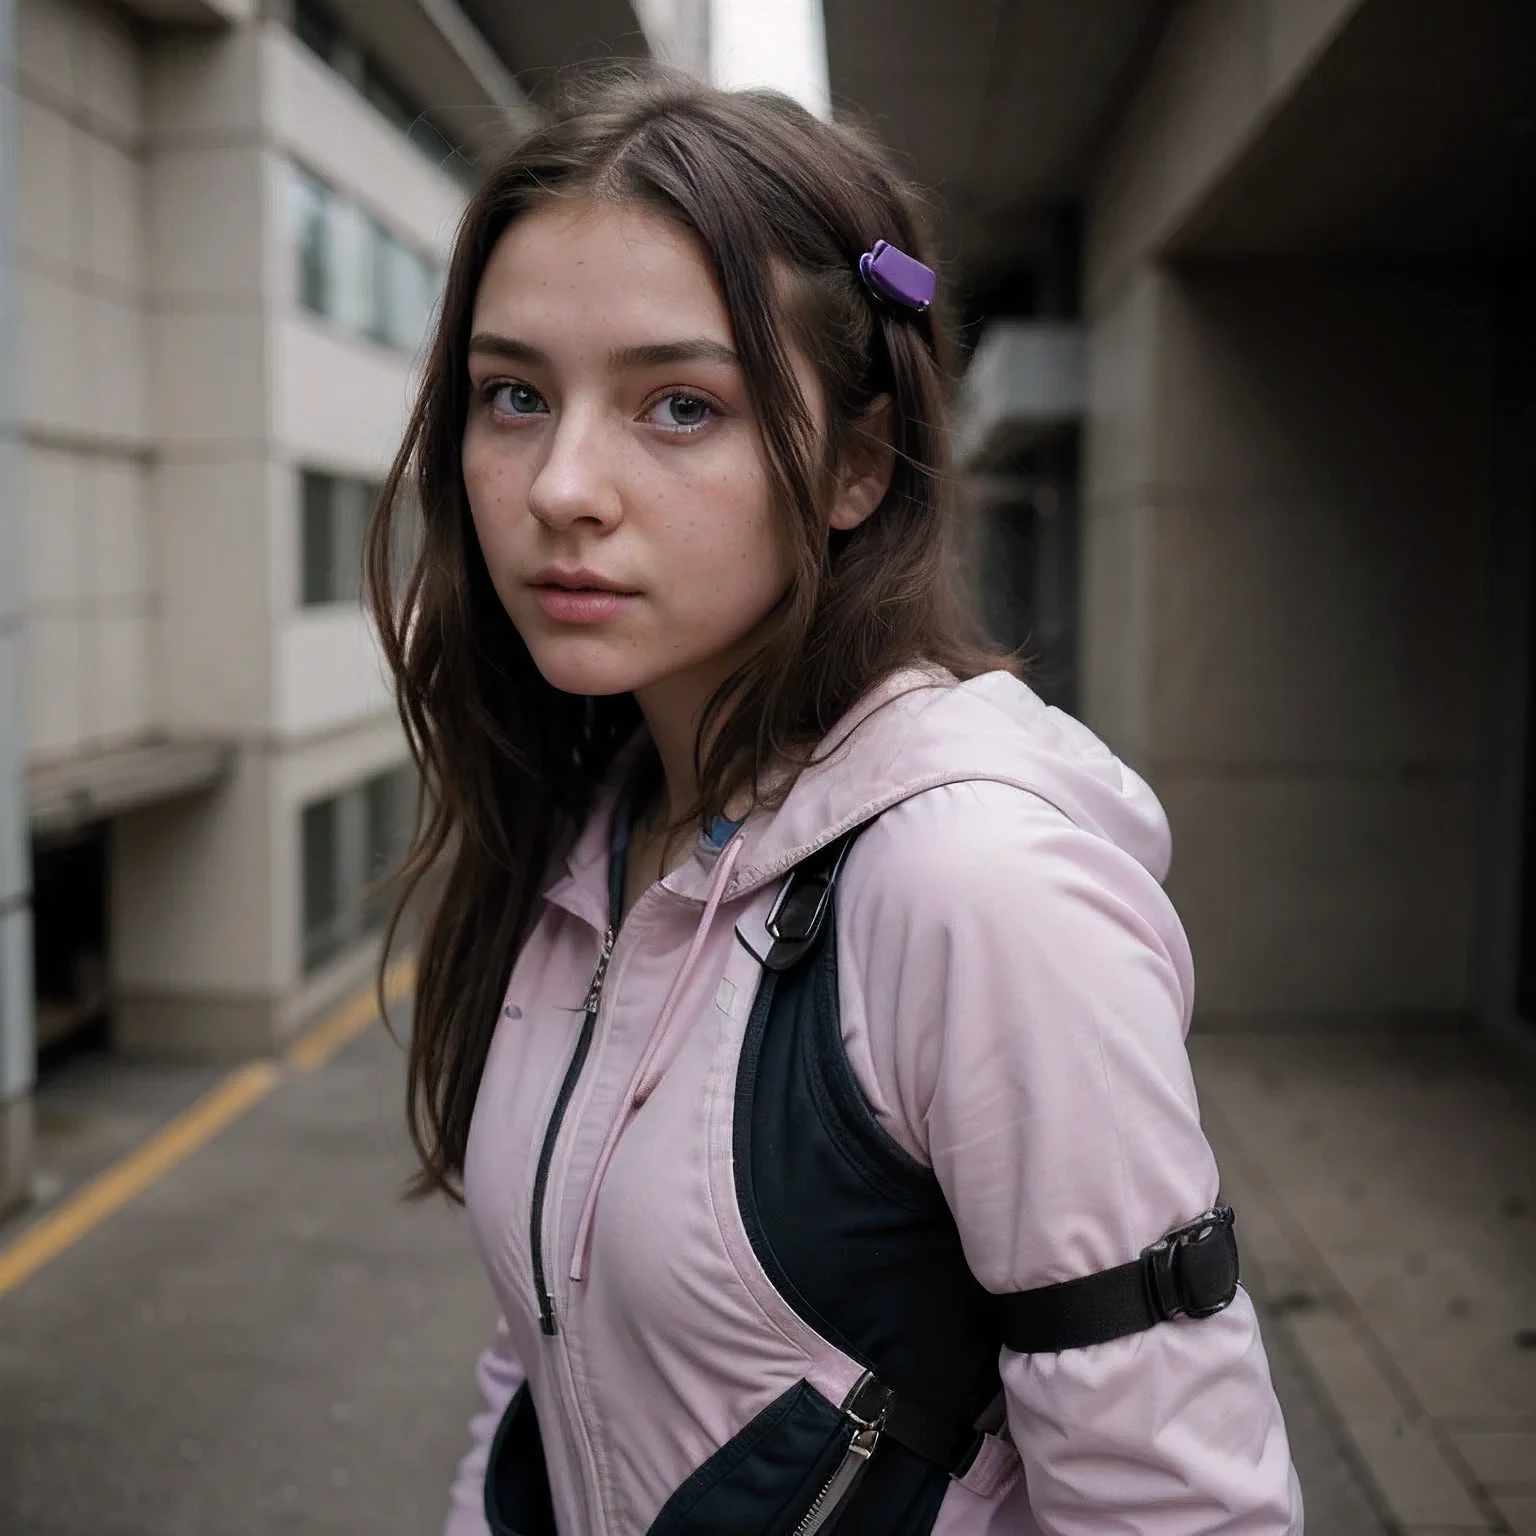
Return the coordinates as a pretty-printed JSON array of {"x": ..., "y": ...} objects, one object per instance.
[{"x": 1191, "y": 1272}]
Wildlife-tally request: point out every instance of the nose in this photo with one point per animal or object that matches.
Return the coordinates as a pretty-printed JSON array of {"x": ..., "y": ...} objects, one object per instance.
[{"x": 575, "y": 483}]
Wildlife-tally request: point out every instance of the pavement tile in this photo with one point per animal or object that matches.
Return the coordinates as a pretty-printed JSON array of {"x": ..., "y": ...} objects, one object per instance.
[
  {"x": 1356, "y": 1387},
  {"x": 265, "y": 1343},
  {"x": 1397, "y": 1179},
  {"x": 1419, "y": 1487},
  {"x": 1500, "y": 1456},
  {"x": 1519, "y": 1514},
  {"x": 1332, "y": 1484},
  {"x": 1450, "y": 1325}
]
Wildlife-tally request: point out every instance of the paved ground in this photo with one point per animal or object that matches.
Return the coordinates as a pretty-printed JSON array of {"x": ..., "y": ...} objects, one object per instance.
[
  {"x": 1387, "y": 1191},
  {"x": 267, "y": 1343}
]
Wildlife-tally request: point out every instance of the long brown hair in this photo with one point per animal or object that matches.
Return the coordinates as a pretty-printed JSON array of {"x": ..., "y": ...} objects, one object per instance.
[{"x": 784, "y": 205}]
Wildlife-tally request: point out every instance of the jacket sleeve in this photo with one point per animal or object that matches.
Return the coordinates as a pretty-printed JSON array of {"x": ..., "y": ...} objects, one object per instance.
[
  {"x": 1015, "y": 995},
  {"x": 499, "y": 1374}
]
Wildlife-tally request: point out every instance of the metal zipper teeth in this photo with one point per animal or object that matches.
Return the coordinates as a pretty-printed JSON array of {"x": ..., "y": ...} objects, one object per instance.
[
  {"x": 547, "y": 1322},
  {"x": 866, "y": 1436},
  {"x": 841, "y": 1483}
]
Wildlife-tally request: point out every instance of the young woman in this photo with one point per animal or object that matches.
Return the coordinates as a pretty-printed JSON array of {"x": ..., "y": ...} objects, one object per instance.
[{"x": 801, "y": 1016}]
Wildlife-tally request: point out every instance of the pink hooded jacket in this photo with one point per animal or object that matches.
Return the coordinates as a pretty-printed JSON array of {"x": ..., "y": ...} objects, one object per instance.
[{"x": 1014, "y": 989}]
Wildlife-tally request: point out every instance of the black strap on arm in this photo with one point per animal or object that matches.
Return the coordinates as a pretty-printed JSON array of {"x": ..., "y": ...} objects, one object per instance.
[{"x": 1192, "y": 1272}]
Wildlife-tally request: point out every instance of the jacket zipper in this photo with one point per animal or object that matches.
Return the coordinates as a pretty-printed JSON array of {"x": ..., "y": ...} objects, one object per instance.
[
  {"x": 547, "y": 1323},
  {"x": 839, "y": 1487}
]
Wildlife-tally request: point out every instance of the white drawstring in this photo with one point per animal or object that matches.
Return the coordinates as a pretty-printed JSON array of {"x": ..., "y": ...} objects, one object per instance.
[{"x": 653, "y": 1065}]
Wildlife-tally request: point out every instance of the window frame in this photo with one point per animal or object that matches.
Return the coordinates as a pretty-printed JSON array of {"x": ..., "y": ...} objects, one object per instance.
[{"x": 344, "y": 898}]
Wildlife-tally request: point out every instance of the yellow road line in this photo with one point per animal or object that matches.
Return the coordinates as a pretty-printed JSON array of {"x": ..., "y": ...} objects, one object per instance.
[
  {"x": 245, "y": 1087},
  {"x": 350, "y": 1019},
  {"x": 148, "y": 1162}
]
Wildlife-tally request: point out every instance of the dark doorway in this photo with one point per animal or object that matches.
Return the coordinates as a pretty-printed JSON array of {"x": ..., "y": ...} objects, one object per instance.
[
  {"x": 69, "y": 935},
  {"x": 1525, "y": 974}
]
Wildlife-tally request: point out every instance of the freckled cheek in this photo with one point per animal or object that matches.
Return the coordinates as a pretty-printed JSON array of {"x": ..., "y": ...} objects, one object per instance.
[
  {"x": 727, "y": 566},
  {"x": 498, "y": 497}
]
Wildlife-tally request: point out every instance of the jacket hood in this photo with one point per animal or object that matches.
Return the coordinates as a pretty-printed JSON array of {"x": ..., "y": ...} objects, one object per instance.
[{"x": 920, "y": 729}]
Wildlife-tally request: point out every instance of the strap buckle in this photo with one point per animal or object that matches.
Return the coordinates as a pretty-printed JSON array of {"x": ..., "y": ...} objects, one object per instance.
[
  {"x": 800, "y": 910},
  {"x": 1193, "y": 1271},
  {"x": 869, "y": 1401}
]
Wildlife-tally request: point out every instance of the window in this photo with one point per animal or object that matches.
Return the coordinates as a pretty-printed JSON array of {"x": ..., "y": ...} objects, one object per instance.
[
  {"x": 387, "y": 806},
  {"x": 309, "y": 203},
  {"x": 354, "y": 271},
  {"x": 333, "y": 517},
  {"x": 333, "y": 521},
  {"x": 352, "y": 247},
  {"x": 322, "y": 33},
  {"x": 351, "y": 840},
  {"x": 322, "y": 884},
  {"x": 381, "y": 251},
  {"x": 406, "y": 291}
]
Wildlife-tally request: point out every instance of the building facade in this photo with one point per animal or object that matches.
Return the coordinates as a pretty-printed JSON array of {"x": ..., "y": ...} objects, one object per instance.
[{"x": 224, "y": 228}]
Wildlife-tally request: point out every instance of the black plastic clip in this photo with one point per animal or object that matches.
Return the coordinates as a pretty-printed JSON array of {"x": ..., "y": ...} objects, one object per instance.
[
  {"x": 800, "y": 910},
  {"x": 1193, "y": 1271}
]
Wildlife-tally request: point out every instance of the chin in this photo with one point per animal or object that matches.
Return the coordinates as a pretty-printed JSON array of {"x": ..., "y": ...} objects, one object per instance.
[{"x": 586, "y": 665}]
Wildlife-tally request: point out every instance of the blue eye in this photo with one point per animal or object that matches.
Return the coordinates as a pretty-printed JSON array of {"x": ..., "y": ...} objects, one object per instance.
[
  {"x": 681, "y": 412},
  {"x": 517, "y": 400}
]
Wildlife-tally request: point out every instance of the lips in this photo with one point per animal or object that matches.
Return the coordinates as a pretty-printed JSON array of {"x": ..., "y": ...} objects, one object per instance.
[
  {"x": 579, "y": 579},
  {"x": 579, "y": 597}
]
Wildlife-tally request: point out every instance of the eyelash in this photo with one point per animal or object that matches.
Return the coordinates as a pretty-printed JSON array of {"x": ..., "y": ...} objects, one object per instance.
[{"x": 492, "y": 388}]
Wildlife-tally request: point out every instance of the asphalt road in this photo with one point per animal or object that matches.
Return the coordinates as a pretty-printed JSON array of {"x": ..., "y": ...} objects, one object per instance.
[{"x": 268, "y": 1342}]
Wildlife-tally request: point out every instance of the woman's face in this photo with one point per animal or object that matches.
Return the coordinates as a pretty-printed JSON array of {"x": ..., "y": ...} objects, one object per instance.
[{"x": 614, "y": 471}]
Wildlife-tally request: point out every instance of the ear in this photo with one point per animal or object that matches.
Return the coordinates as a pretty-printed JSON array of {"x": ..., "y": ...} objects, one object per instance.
[{"x": 865, "y": 473}]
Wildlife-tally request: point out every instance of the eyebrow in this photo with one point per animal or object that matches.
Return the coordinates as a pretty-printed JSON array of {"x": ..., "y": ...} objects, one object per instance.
[
  {"x": 655, "y": 354},
  {"x": 658, "y": 354}
]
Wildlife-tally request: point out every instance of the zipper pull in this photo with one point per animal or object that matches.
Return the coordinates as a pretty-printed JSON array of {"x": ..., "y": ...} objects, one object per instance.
[
  {"x": 865, "y": 1408},
  {"x": 595, "y": 991}
]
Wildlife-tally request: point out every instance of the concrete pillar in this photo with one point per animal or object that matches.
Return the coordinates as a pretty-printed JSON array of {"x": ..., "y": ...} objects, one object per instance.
[
  {"x": 192, "y": 902},
  {"x": 249, "y": 389},
  {"x": 17, "y": 1050},
  {"x": 1286, "y": 552},
  {"x": 1286, "y": 557}
]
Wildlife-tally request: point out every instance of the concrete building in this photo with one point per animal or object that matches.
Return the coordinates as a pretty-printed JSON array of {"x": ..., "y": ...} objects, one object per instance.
[
  {"x": 222, "y": 225},
  {"x": 1253, "y": 415}
]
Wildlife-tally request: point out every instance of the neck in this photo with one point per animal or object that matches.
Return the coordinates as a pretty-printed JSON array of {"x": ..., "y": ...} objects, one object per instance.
[{"x": 672, "y": 709}]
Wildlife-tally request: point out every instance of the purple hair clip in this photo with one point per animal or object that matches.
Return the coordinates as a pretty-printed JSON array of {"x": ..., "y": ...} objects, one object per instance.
[{"x": 892, "y": 275}]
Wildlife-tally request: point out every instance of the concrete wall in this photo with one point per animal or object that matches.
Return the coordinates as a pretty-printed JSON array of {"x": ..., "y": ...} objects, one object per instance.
[
  {"x": 1286, "y": 554},
  {"x": 1220, "y": 73},
  {"x": 17, "y": 1050},
  {"x": 1286, "y": 526},
  {"x": 89, "y": 606}
]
